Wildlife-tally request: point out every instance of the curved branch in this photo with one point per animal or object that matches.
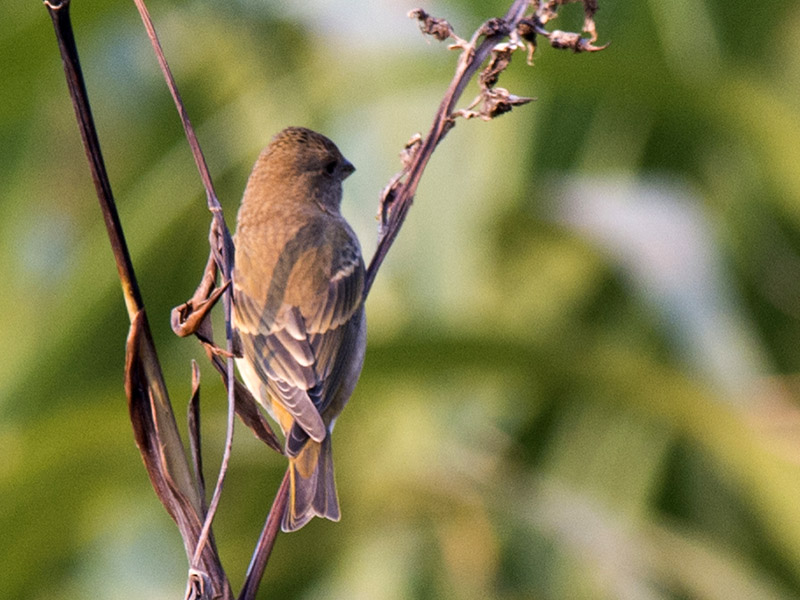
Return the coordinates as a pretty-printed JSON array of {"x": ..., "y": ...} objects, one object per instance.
[{"x": 398, "y": 196}]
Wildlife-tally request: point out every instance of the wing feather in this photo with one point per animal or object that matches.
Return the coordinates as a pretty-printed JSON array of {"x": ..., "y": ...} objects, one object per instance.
[{"x": 298, "y": 352}]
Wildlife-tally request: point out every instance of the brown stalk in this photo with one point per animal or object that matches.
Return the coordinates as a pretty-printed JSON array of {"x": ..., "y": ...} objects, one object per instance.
[
  {"x": 399, "y": 194},
  {"x": 266, "y": 542},
  {"x": 153, "y": 421},
  {"x": 192, "y": 318},
  {"x": 222, "y": 250}
]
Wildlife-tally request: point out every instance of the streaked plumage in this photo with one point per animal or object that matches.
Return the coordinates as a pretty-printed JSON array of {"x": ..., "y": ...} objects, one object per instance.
[{"x": 298, "y": 282}]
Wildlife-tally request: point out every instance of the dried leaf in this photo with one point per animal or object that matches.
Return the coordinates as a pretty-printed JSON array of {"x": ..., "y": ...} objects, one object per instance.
[
  {"x": 410, "y": 150},
  {"x": 162, "y": 451},
  {"x": 494, "y": 27},
  {"x": 438, "y": 28},
  {"x": 144, "y": 429},
  {"x": 501, "y": 58},
  {"x": 569, "y": 40},
  {"x": 499, "y": 101},
  {"x": 188, "y": 318}
]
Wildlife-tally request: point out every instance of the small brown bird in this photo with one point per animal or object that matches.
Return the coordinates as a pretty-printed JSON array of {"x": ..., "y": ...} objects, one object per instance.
[{"x": 298, "y": 283}]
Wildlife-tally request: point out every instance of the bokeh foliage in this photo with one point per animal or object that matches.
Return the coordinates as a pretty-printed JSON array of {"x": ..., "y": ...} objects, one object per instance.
[{"x": 581, "y": 374}]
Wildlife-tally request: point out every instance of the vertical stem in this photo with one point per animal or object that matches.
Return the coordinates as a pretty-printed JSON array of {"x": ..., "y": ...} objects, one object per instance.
[
  {"x": 265, "y": 542},
  {"x": 154, "y": 423},
  {"x": 59, "y": 13},
  {"x": 222, "y": 249}
]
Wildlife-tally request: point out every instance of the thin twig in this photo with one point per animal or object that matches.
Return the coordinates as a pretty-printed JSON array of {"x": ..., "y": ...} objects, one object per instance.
[
  {"x": 223, "y": 469},
  {"x": 223, "y": 250},
  {"x": 199, "y": 158},
  {"x": 266, "y": 542}
]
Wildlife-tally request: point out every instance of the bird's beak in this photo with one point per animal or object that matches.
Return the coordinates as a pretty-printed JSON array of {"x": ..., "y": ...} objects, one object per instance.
[{"x": 347, "y": 168}]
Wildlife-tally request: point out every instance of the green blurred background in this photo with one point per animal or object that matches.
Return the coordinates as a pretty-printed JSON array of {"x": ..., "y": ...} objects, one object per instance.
[{"x": 581, "y": 380}]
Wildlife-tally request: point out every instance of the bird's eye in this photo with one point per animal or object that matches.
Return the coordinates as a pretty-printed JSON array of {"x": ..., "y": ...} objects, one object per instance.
[{"x": 331, "y": 167}]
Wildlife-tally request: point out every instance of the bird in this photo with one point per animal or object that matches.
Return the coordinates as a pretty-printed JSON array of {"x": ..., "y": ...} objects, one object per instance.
[{"x": 298, "y": 286}]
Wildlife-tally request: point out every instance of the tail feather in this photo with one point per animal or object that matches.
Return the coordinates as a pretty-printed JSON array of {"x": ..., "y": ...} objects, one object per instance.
[{"x": 312, "y": 489}]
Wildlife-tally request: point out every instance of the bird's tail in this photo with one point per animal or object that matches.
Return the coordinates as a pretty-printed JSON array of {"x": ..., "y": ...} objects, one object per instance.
[{"x": 312, "y": 489}]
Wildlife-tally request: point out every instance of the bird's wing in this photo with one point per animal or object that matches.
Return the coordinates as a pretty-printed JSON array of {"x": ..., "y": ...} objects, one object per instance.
[
  {"x": 334, "y": 326},
  {"x": 330, "y": 328},
  {"x": 298, "y": 354},
  {"x": 282, "y": 358}
]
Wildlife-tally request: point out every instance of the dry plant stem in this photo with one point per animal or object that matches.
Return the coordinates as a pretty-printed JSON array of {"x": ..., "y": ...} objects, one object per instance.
[
  {"x": 266, "y": 542},
  {"x": 402, "y": 193},
  {"x": 209, "y": 575},
  {"x": 224, "y": 255},
  {"x": 152, "y": 418},
  {"x": 59, "y": 13},
  {"x": 222, "y": 249},
  {"x": 130, "y": 288}
]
